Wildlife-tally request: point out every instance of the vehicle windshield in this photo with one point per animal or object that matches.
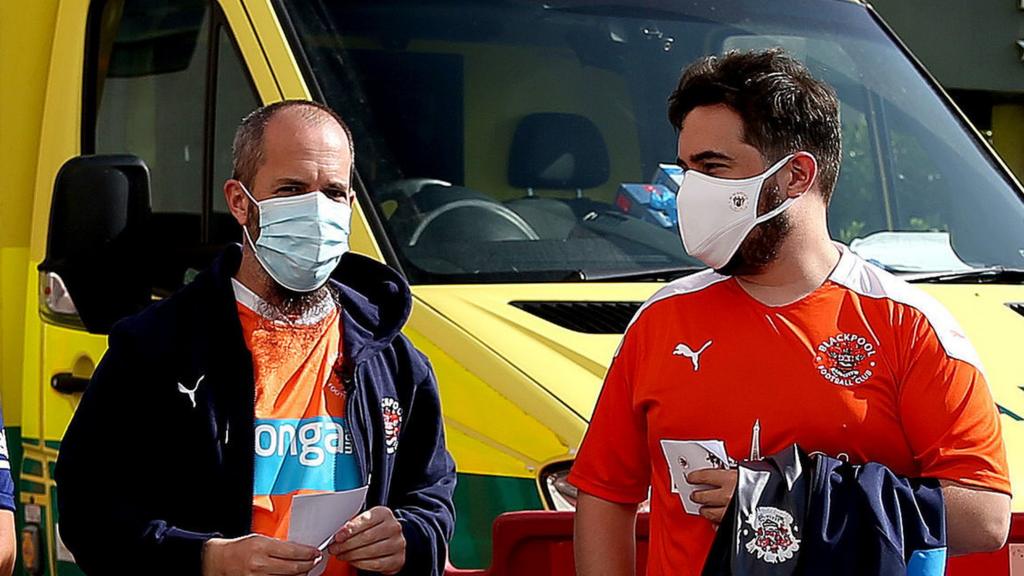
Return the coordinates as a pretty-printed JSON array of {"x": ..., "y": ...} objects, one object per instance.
[{"x": 521, "y": 141}]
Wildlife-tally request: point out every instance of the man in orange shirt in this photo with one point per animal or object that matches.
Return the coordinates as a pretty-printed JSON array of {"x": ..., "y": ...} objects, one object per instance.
[
  {"x": 788, "y": 338},
  {"x": 280, "y": 371}
]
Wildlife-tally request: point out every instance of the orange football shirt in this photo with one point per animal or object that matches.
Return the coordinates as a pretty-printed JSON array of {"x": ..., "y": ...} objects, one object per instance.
[
  {"x": 301, "y": 435},
  {"x": 865, "y": 368}
]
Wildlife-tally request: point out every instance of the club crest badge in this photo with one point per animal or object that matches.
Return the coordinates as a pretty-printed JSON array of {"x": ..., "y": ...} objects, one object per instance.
[
  {"x": 846, "y": 359},
  {"x": 772, "y": 535},
  {"x": 392, "y": 415},
  {"x": 738, "y": 201}
]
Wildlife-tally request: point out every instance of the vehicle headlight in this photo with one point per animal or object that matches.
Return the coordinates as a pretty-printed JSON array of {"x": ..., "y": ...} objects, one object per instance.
[{"x": 560, "y": 495}]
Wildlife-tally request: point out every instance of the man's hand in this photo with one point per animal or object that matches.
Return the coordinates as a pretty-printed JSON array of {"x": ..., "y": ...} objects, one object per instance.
[
  {"x": 714, "y": 500},
  {"x": 256, "y": 555},
  {"x": 372, "y": 541}
]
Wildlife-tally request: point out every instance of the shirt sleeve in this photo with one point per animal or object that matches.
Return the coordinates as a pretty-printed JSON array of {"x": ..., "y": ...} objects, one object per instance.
[
  {"x": 6, "y": 481},
  {"x": 613, "y": 462},
  {"x": 948, "y": 415}
]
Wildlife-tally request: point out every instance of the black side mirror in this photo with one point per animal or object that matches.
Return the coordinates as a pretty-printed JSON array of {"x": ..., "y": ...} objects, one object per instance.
[{"x": 95, "y": 267}]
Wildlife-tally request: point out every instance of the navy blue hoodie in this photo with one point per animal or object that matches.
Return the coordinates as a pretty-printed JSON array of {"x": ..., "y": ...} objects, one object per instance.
[{"x": 144, "y": 478}]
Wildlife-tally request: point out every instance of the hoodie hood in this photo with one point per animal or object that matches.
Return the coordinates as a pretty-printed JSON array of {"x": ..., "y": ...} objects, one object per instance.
[{"x": 375, "y": 299}]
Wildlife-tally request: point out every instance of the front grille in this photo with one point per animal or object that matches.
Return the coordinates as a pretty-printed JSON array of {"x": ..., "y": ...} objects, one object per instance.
[{"x": 586, "y": 317}]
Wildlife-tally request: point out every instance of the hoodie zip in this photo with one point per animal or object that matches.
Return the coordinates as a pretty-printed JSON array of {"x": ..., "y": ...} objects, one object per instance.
[{"x": 358, "y": 422}]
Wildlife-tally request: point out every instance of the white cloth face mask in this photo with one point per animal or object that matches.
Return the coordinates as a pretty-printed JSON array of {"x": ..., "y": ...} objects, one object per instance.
[
  {"x": 302, "y": 238},
  {"x": 717, "y": 214}
]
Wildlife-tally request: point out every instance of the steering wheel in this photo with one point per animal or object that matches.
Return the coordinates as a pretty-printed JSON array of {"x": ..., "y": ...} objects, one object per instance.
[{"x": 497, "y": 209}]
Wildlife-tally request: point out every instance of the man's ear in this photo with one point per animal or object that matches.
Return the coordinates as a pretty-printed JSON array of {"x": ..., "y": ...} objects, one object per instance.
[
  {"x": 237, "y": 201},
  {"x": 801, "y": 175}
]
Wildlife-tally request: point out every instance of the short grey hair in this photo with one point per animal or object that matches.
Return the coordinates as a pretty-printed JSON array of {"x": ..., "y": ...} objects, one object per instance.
[{"x": 247, "y": 149}]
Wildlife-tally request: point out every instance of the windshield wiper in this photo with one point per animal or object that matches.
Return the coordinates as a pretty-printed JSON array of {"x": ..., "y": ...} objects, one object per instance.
[
  {"x": 990, "y": 275},
  {"x": 653, "y": 275}
]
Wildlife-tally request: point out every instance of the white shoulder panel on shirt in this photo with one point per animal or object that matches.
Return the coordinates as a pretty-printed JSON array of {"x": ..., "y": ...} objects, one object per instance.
[
  {"x": 686, "y": 285},
  {"x": 869, "y": 280}
]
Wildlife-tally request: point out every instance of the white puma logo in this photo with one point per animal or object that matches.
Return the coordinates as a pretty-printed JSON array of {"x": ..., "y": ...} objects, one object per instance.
[
  {"x": 191, "y": 393},
  {"x": 684, "y": 350}
]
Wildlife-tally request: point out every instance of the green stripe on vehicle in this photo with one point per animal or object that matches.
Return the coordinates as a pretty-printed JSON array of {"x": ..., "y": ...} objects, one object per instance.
[
  {"x": 32, "y": 487},
  {"x": 479, "y": 500},
  {"x": 33, "y": 467}
]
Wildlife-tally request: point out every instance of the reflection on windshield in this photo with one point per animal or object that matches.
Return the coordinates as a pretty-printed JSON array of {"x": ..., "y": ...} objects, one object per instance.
[
  {"x": 519, "y": 141},
  {"x": 910, "y": 251}
]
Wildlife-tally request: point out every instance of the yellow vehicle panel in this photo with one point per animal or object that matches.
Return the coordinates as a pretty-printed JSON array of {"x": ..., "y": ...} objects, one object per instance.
[{"x": 997, "y": 333}]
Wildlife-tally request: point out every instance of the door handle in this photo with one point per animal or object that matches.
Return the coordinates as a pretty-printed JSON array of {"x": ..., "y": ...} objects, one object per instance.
[{"x": 68, "y": 383}]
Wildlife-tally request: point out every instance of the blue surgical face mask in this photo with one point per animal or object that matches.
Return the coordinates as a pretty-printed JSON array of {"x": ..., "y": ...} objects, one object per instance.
[{"x": 302, "y": 238}]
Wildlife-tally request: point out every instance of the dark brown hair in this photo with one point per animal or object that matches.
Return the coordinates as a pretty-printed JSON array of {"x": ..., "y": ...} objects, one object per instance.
[{"x": 784, "y": 109}]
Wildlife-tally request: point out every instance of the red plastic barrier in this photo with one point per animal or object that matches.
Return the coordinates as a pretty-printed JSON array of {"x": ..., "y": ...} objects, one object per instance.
[{"x": 539, "y": 543}]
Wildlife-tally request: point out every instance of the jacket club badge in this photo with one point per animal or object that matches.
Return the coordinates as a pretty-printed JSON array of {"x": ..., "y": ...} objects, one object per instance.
[
  {"x": 392, "y": 416},
  {"x": 773, "y": 535}
]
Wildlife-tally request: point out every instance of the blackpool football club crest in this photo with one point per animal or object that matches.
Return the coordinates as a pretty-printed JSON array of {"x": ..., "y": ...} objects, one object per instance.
[
  {"x": 772, "y": 535},
  {"x": 738, "y": 201},
  {"x": 392, "y": 414},
  {"x": 846, "y": 359}
]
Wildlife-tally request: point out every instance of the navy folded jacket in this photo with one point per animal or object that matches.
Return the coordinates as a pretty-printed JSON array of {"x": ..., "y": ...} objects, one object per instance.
[{"x": 795, "y": 513}]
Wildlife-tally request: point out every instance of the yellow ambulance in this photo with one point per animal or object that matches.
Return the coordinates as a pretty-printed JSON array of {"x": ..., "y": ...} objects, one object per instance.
[{"x": 503, "y": 153}]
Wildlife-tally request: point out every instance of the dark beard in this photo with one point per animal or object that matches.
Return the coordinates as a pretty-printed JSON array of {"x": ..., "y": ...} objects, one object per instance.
[
  {"x": 282, "y": 304},
  {"x": 761, "y": 247}
]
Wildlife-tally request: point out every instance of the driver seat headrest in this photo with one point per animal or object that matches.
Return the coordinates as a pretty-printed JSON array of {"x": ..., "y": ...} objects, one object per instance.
[{"x": 557, "y": 151}]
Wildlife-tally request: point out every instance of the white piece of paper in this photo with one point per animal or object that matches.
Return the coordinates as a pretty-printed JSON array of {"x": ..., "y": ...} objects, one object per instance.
[
  {"x": 316, "y": 518},
  {"x": 685, "y": 456}
]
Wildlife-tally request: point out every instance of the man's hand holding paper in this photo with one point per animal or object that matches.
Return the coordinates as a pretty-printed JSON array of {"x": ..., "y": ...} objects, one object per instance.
[
  {"x": 371, "y": 541},
  {"x": 700, "y": 475}
]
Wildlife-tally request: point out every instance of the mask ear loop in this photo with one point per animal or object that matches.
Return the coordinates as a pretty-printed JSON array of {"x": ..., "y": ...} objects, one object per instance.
[
  {"x": 245, "y": 227},
  {"x": 788, "y": 201},
  {"x": 248, "y": 237}
]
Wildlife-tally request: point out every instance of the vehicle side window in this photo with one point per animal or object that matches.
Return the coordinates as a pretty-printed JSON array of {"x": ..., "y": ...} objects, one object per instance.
[
  {"x": 150, "y": 82},
  {"x": 161, "y": 72},
  {"x": 857, "y": 207},
  {"x": 235, "y": 98},
  {"x": 151, "y": 98}
]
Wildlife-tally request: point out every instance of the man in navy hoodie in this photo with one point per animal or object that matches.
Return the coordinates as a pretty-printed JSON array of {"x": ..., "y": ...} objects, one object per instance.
[{"x": 259, "y": 381}]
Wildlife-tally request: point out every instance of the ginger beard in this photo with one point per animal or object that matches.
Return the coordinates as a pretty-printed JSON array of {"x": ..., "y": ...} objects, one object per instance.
[
  {"x": 761, "y": 247},
  {"x": 284, "y": 304}
]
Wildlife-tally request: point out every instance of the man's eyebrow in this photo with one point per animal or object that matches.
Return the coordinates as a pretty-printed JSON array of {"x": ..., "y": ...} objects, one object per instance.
[
  {"x": 709, "y": 155},
  {"x": 293, "y": 181},
  {"x": 702, "y": 156},
  {"x": 290, "y": 180}
]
